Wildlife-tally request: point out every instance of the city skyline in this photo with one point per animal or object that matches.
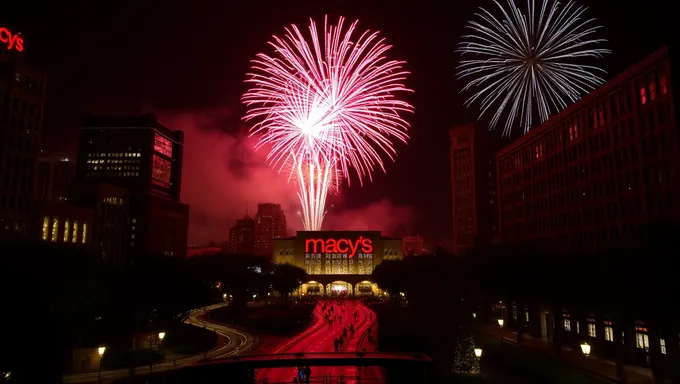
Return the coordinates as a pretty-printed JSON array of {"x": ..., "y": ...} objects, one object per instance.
[{"x": 417, "y": 183}]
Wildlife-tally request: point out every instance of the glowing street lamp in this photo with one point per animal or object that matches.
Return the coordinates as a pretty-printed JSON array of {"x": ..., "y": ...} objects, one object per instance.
[
  {"x": 100, "y": 352},
  {"x": 500, "y": 322},
  {"x": 478, "y": 352},
  {"x": 585, "y": 348},
  {"x": 161, "y": 336},
  {"x": 474, "y": 315}
]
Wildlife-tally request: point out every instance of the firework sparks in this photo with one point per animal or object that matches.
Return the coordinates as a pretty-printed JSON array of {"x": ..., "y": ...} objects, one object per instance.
[
  {"x": 528, "y": 65},
  {"x": 326, "y": 106}
]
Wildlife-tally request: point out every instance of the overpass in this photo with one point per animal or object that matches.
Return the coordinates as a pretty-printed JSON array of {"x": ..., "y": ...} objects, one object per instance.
[{"x": 242, "y": 369}]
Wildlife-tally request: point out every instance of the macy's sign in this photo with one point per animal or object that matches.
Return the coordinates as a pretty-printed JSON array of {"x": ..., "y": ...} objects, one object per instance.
[
  {"x": 11, "y": 40},
  {"x": 350, "y": 247}
]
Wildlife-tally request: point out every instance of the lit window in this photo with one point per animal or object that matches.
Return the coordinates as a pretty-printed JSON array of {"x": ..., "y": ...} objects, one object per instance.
[
  {"x": 608, "y": 333},
  {"x": 662, "y": 85},
  {"x": 578, "y": 327},
  {"x": 662, "y": 342},
  {"x": 642, "y": 341},
  {"x": 74, "y": 237},
  {"x": 591, "y": 330},
  {"x": 66, "y": 231},
  {"x": 643, "y": 96},
  {"x": 46, "y": 228},
  {"x": 84, "y": 240},
  {"x": 526, "y": 316},
  {"x": 55, "y": 229},
  {"x": 567, "y": 325},
  {"x": 652, "y": 90}
]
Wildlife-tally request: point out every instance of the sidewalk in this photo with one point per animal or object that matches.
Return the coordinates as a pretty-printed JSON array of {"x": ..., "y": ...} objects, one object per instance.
[{"x": 593, "y": 365}]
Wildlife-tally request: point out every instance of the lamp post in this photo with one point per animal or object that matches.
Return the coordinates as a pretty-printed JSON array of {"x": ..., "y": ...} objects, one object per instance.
[
  {"x": 478, "y": 352},
  {"x": 474, "y": 315},
  {"x": 585, "y": 348},
  {"x": 100, "y": 352},
  {"x": 500, "y": 330}
]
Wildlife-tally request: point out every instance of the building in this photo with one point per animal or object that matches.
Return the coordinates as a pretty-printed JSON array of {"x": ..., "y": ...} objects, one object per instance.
[
  {"x": 22, "y": 101},
  {"x": 111, "y": 209},
  {"x": 144, "y": 156},
  {"x": 54, "y": 175},
  {"x": 138, "y": 153},
  {"x": 593, "y": 174},
  {"x": 413, "y": 245},
  {"x": 62, "y": 225},
  {"x": 203, "y": 251},
  {"x": 242, "y": 237},
  {"x": 338, "y": 262},
  {"x": 270, "y": 224},
  {"x": 473, "y": 185}
]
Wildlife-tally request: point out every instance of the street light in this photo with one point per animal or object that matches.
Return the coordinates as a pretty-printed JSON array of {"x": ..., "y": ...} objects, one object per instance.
[
  {"x": 100, "y": 352},
  {"x": 585, "y": 348},
  {"x": 474, "y": 315},
  {"x": 478, "y": 352},
  {"x": 161, "y": 336},
  {"x": 500, "y": 322}
]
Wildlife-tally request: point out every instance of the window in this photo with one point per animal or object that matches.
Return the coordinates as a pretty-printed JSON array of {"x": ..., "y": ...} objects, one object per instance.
[
  {"x": 46, "y": 228},
  {"x": 567, "y": 325},
  {"x": 84, "y": 239},
  {"x": 66, "y": 230},
  {"x": 161, "y": 171},
  {"x": 609, "y": 333},
  {"x": 55, "y": 229},
  {"x": 643, "y": 96},
  {"x": 652, "y": 90},
  {"x": 578, "y": 327},
  {"x": 642, "y": 341},
  {"x": 662, "y": 84},
  {"x": 526, "y": 316},
  {"x": 74, "y": 237},
  {"x": 591, "y": 330},
  {"x": 162, "y": 145},
  {"x": 662, "y": 342}
]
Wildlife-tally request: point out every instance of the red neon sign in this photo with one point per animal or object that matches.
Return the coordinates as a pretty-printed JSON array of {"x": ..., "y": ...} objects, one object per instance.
[
  {"x": 347, "y": 246},
  {"x": 11, "y": 40}
]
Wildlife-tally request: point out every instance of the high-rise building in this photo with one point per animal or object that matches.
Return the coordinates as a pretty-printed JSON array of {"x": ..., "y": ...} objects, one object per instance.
[
  {"x": 270, "y": 224},
  {"x": 473, "y": 184},
  {"x": 595, "y": 173},
  {"x": 144, "y": 156},
  {"x": 22, "y": 101},
  {"x": 138, "y": 153},
  {"x": 54, "y": 175},
  {"x": 242, "y": 237}
]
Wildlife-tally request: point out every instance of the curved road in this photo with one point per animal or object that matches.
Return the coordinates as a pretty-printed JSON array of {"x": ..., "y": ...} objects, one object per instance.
[
  {"x": 320, "y": 336},
  {"x": 237, "y": 342}
]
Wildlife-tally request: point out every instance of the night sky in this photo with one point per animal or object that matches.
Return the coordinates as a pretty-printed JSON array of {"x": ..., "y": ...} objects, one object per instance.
[{"x": 191, "y": 56}]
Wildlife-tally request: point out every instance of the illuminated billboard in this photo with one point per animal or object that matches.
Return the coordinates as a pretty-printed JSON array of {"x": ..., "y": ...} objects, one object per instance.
[
  {"x": 10, "y": 40},
  {"x": 339, "y": 252}
]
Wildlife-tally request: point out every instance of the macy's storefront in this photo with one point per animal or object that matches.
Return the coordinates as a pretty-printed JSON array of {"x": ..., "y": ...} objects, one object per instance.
[{"x": 338, "y": 262}]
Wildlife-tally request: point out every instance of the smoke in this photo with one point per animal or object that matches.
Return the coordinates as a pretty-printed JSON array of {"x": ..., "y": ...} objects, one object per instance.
[{"x": 224, "y": 178}]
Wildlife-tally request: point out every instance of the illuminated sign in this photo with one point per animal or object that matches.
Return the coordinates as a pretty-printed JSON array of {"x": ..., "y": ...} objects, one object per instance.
[
  {"x": 13, "y": 41},
  {"x": 350, "y": 247}
]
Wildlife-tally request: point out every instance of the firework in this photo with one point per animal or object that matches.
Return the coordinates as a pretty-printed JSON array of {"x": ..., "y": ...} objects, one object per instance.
[
  {"x": 327, "y": 106},
  {"x": 527, "y": 65}
]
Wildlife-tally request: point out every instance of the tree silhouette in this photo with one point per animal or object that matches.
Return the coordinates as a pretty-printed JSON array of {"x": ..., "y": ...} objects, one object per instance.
[{"x": 286, "y": 278}]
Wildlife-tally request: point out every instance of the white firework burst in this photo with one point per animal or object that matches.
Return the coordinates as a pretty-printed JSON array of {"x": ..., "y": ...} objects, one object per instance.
[{"x": 531, "y": 63}]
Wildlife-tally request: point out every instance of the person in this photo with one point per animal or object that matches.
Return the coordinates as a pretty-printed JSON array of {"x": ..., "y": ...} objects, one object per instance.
[
  {"x": 308, "y": 374},
  {"x": 336, "y": 344},
  {"x": 295, "y": 379}
]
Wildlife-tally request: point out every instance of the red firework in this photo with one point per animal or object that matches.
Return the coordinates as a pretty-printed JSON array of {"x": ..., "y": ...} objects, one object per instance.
[{"x": 326, "y": 106}]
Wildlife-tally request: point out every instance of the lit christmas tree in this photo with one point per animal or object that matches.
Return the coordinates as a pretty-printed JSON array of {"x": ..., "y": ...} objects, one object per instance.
[{"x": 464, "y": 359}]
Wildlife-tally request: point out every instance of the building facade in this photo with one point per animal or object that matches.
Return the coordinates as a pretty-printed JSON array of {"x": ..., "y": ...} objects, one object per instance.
[
  {"x": 592, "y": 175},
  {"x": 270, "y": 224},
  {"x": 337, "y": 261},
  {"x": 413, "y": 245},
  {"x": 473, "y": 186},
  {"x": 144, "y": 156},
  {"x": 61, "y": 225},
  {"x": 22, "y": 102},
  {"x": 111, "y": 208},
  {"x": 54, "y": 175},
  {"x": 242, "y": 237}
]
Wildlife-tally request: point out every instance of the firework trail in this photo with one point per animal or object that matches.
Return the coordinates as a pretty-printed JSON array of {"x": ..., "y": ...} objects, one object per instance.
[
  {"x": 326, "y": 104},
  {"x": 527, "y": 65}
]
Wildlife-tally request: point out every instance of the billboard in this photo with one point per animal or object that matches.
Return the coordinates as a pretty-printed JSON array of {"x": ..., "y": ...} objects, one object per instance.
[{"x": 339, "y": 252}]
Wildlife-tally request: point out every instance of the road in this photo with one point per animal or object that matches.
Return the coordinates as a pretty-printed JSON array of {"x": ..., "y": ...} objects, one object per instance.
[
  {"x": 320, "y": 336},
  {"x": 238, "y": 342}
]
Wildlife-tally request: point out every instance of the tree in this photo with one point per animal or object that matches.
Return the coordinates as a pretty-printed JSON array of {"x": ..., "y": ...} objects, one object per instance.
[
  {"x": 286, "y": 278},
  {"x": 391, "y": 277},
  {"x": 464, "y": 359}
]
